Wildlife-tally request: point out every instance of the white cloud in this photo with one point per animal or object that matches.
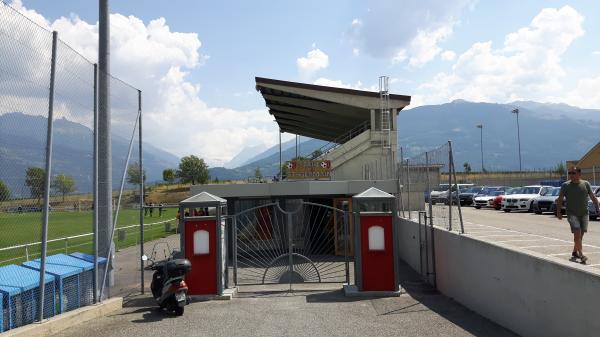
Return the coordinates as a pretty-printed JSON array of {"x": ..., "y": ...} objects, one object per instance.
[
  {"x": 448, "y": 55},
  {"x": 357, "y": 86},
  {"x": 596, "y": 53},
  {"x": 355, "y": 51},
  {"x": 528, "y": 66},
  {"x": 157, "y": 60},
  {"x": 424, "y": 47},
  {"x": 585, "y": 94},
  {"x": 314, "y": 61},
  {"x": 419, "y": 26}
]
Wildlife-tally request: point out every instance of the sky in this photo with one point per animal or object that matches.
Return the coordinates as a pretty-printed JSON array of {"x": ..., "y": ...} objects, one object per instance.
[{"x": 195, "y": 61}]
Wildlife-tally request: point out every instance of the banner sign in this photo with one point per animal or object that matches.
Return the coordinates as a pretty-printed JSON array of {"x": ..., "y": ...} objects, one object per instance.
[{"x": 309, "y": 170}]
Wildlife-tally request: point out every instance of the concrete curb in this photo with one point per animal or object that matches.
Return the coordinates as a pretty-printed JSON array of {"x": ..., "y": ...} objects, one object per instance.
[
  {"x": 227, "y": 295},
  {"x": 352, "y": 291},
  {"x": 67, "y": 320}
]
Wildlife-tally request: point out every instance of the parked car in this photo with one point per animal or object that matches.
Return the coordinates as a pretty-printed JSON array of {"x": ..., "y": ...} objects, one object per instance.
[
  {"x": 509, "y": 191},
  {"x": 543, "y": 203},
  {"x": 442, "y": 193},
  {"x": 524, "y": 200},
  {"x": 467, "y": 195},
  {"x": 486, "y": 197},
  {"x": 591, "y": 209}
]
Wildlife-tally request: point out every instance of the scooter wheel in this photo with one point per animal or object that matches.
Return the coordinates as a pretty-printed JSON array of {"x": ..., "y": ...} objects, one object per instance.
[{"x": 179, "y": 310}]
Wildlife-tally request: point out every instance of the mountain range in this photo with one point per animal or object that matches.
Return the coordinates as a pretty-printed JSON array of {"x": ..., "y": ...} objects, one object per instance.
[
  {"x": 22, "y": 145},
  {"x": 549, "y": 134}
]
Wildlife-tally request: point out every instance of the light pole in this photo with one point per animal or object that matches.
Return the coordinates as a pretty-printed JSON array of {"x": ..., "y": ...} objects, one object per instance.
[
  {"x": 516, "y": 111},
  {"x": 480, "y": 127}
]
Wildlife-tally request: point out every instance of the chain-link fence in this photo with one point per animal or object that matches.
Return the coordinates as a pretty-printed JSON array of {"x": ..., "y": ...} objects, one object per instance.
[
  {"x": 48, "y": 103},
  {"x": 428, "y": 184}
]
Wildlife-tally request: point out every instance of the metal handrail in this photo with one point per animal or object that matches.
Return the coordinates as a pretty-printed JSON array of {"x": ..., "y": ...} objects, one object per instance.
[
  {"x": 79, "y": 236},
  {"x": 366, "y": 125}
]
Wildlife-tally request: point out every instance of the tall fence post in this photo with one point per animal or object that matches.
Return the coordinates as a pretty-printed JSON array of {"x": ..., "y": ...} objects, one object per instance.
[
  {"x": 48, "y": 176},
  {"x": 141, "y": 158},
  {"x": 408, "y": 187},
  {"x": 460, "y": 219},
  {"x": 428, "y": 188},
  {"x": 450, "y": 187},
  {"x": 290, "y": 248},
  {"x": 95, "y": 189}
]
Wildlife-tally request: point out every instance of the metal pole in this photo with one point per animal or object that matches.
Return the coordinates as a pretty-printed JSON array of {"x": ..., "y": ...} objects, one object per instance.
[
  {"x": 95, "y": 213},
  {"x": 280, "y": 167},
  {"x": 105, "y": 223},
  {"x": 516, "y": 111},
  {"x": 346, "y": 243},
  {"x": 450, "y": 184},
  {"x": 290, "y": 248},
  {"x": 480, "y": 126},
  {"x": 460, "y": 218},
  {"x": 408, "y": 187},
  {"x": 48, "y": 176},
  {"x": 235, "y": 264},
  {"x": 429, "y": 189},
  {"x": 141, "y": 159}
]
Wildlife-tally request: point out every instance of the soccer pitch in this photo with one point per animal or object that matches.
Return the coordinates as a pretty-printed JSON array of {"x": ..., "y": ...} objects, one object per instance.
[{"x": 25, "y": 228}]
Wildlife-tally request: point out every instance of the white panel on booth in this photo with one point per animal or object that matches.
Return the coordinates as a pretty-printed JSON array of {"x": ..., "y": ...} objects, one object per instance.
[
  {"x": 376, "y": 238},
  {"x": 201, "y": 242}
]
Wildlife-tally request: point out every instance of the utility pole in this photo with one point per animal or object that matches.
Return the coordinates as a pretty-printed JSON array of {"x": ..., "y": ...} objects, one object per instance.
[
  {"x": 104, "y": 139},
  {"x": 480, "y": 127},
  {"x": 516, "y": 112}
]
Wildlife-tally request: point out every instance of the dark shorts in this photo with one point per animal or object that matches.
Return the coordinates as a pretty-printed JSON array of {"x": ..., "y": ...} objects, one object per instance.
[{"x": 578, "y": 223}]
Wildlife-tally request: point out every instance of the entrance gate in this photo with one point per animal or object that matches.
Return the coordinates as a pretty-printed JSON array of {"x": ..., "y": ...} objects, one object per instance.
[{"x": 298, "y": 242}]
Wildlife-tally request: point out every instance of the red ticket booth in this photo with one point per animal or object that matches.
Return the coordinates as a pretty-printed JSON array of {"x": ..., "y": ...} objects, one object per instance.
[
  {"x": 203, "y": 241},
  {"x": 376, "y": 256}
]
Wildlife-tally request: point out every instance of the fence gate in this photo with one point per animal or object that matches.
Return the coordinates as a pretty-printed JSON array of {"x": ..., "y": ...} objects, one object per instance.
[{"x": 299, "y": 242}]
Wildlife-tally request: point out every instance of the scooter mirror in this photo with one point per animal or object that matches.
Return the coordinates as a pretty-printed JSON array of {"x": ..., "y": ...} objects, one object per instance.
[{"x": 144, "y": 258}]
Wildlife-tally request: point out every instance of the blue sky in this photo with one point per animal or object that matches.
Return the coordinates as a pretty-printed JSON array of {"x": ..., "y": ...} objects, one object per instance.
[{"x": 435, "y": 51}]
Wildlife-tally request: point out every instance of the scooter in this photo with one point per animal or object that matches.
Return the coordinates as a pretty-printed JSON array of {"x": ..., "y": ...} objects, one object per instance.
[{"x": 168, "y": 287}]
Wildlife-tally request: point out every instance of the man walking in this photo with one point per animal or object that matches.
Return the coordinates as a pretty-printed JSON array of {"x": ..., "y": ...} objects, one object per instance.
[{"x": 576, "y": 191}]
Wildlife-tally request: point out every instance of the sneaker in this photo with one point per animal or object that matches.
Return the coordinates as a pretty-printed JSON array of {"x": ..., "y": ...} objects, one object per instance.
[
  {"x": 583, "y": 258},
  {"x": 574, "y": 255}
]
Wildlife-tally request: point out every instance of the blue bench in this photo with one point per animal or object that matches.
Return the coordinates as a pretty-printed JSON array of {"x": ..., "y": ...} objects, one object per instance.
[
  {"x": 73, "y": 277},
  {"x": 19, "y": 290}
]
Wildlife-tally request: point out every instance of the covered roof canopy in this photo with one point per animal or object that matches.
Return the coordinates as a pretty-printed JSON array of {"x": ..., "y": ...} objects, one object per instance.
[{"x": 318, "y": 111}]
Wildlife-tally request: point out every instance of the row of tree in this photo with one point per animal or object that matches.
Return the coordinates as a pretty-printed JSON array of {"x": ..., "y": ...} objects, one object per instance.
[
  {"x": 191, "y": 170},
  {"x": 34, "y": 179}
]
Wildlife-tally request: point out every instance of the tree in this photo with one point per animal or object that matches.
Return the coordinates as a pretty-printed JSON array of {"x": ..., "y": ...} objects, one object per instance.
[
  {"x": 193, "y": 169},
  {"x": 4, "y": 191},
  {"x": 560, "y": 169},
  {"x": 316, "y": 154},
  {"x": 133, "y": 174},
  {"x": 34, "y": 179},
  {"x": 63, "y": 184},
  {"x": 169, "y": 175},
  {"x": 467, "y": 167},
  {"x": 258, "y": 174}
]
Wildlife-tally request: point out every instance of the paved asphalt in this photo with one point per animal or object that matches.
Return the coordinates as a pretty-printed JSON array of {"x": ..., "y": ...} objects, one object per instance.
[
  {"x": 326, "y": 312},
  {"x": 532, "y": 232}
]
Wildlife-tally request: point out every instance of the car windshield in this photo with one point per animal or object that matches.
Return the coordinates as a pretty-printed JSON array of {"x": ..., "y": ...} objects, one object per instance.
[
  {"x": 498, "y": 192},
  {"x": 516, "y": 190},
  {"x": 472, "y": 189},
  {"x": 530, "y": 190},
  {"x": 488, "y": 191},
  {"x": 554, "y": 192}
]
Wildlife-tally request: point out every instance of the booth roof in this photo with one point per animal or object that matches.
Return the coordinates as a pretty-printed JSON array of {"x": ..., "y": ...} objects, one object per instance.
[
  {"x": 204, "y": 198},
  {"x": 318, "y": 111},
  {"x": 374, "y": 193}
]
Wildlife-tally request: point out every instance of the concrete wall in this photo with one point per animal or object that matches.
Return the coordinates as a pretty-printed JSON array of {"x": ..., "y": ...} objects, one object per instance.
[{"x": 530, "y": 294}]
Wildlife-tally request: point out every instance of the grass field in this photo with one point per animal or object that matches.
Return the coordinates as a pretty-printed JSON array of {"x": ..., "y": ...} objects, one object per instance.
[{"x": 24, "y": 228}]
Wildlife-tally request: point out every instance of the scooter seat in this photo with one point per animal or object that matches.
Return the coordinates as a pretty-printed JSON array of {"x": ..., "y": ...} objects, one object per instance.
[{"x": 178, "y": 267}]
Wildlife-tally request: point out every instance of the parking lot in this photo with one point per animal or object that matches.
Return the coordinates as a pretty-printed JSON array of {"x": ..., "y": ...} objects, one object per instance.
[{"x": 544, "y": 233}]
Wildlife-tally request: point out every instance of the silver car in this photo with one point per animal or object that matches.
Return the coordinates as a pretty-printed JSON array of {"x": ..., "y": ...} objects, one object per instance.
[
  {"x": 591, "y": 209},
  {"x": 544, "y": 203}
]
